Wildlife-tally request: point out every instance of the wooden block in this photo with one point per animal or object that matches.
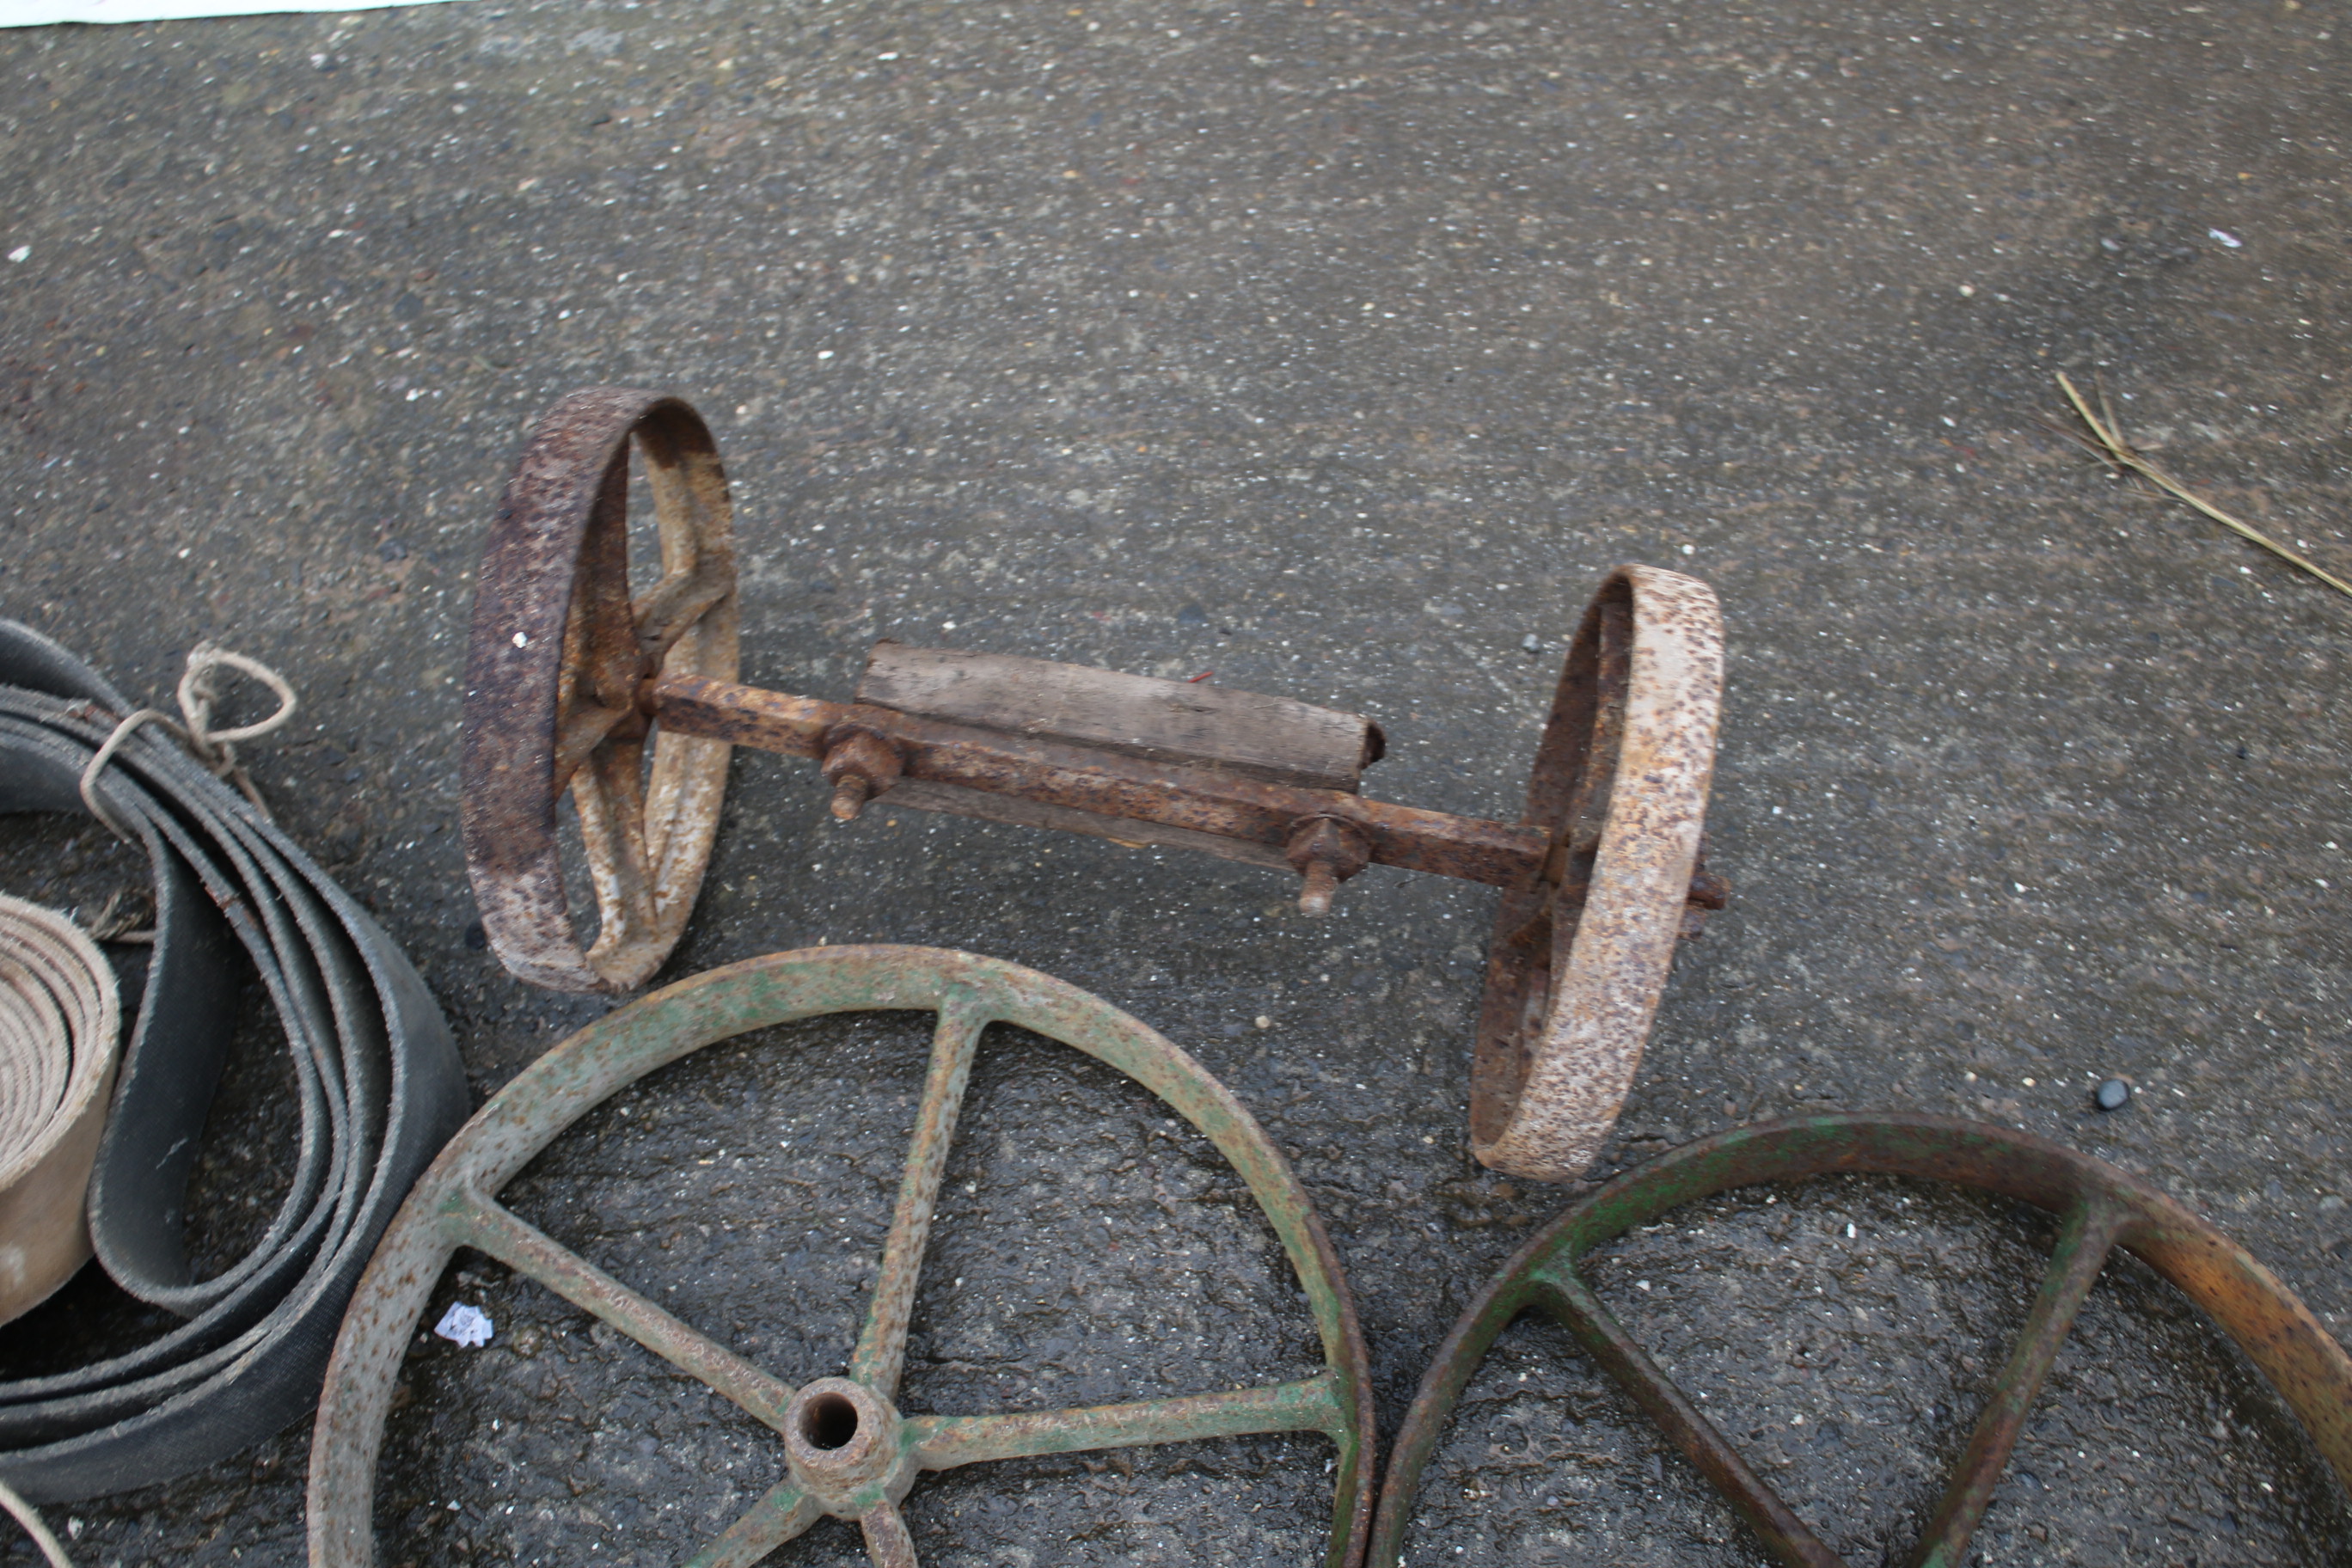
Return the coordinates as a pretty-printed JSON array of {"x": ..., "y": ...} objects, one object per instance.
[
  {"x": 1245, "y": 733},
  {"x": 923, "y": 795}
]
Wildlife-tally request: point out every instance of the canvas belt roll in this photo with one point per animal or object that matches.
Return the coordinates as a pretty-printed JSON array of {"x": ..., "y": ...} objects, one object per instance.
[
  {"x": 59, "y": 1013},
  {"x": 379, "y": 1089}
]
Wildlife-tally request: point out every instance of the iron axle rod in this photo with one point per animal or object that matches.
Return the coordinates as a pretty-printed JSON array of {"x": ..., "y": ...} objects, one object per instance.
[{"x": 1104, "y": 783}]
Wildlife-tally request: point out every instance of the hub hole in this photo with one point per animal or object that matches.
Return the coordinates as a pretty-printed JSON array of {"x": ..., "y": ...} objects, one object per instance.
[{"x": 829, "y": 1420}]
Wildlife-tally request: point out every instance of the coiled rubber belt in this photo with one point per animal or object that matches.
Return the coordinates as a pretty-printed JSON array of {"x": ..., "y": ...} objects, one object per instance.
[
  {"x": 379, "y": 1091},
  {"x": 60, "y": 1010}
]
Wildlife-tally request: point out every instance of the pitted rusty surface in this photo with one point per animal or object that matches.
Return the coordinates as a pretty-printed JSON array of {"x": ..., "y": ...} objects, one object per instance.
[
  {"x": 556, "y": 666},
  {"x": 1559, "y": 1044}
]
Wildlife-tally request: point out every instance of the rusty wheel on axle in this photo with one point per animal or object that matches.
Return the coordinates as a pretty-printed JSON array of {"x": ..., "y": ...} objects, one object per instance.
[
  {"x": 2100, "y": 1208},
  {"x": 847, "y": 1449},
  {"x": 556, "y": 675},
  {"x": 1580, "y": 955}
]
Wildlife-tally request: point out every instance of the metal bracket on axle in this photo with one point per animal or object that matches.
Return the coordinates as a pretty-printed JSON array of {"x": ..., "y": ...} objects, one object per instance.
[{"x": 632, "y": 704}]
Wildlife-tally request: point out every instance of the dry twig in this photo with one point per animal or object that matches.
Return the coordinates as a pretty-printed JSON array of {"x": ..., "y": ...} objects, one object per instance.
[{"x": 2112, "y": 448}]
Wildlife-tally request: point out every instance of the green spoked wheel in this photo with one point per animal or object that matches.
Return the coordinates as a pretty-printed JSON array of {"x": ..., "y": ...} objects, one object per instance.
[
  {"x": 2100, "y": 1208},
  {"x": 848, "y": 1451}
]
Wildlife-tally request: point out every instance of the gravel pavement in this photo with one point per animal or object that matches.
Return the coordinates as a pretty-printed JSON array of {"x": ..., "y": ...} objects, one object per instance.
[{"x": 1336, "y": 349}]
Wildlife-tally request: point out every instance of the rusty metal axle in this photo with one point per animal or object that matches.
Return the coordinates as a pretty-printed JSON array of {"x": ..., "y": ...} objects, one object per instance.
[
  {"x": 631, "y": 703},
  {"x": 878, "y": 747}
]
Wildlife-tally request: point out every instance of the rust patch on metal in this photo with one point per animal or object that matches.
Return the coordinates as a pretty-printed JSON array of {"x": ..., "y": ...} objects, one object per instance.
[
  {"x": 1581, "y": 949},
  {"x": 556, "y": 676},
  {"x": 2100, "y": 1207}
]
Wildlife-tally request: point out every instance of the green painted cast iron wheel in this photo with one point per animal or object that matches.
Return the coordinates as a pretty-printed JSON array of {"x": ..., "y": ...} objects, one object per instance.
[
  {"x": 2099, "y": 1208},
  {"x": 848, "y": 1451}
]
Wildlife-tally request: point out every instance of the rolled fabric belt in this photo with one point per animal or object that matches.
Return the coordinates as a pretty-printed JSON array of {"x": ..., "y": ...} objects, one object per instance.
[
  {"x": 379, "y": 1090},
  {"x": 59, "y": 1013}
]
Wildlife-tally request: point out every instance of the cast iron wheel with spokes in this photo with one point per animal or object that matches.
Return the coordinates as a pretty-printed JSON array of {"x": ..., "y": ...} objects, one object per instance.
[
  {"x": 1581, "y": 954},
  {"x": 557, "y": 676},
  {"x": 848, "y": 1451},
  {"x": 2100, "y": 1209}
]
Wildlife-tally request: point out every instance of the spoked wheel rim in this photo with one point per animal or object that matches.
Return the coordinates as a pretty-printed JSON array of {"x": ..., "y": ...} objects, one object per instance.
[
  {"x": 2100, "y": 1208},
  {"x": 556, "y": 677},
  {"x": 849, "y": 1452},
  {"x": 1579, "y": 957}
]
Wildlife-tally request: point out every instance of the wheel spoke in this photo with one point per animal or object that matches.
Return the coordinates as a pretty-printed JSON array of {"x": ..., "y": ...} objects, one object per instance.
[
  {"x": 2084, "y": 1243},
  {"x": 782, "y": 1513},
  {"x": 1312, "y": 1405},
  {"x": 596, "y": 687},
  {"x": 610, "y": 794},
  {"x": 1573, "y": 1302},
  {"x": 487, "y": 1226},
  {"x": 578, "y": 733},
  {"x": 882, "y": 1346},
  {"x": 888, "y": 1541},
  {"x": 671, "y": 608}
]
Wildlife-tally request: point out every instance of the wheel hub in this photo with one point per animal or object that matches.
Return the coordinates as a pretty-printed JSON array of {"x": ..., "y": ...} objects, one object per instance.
[{"x": 847, "y": 1446}]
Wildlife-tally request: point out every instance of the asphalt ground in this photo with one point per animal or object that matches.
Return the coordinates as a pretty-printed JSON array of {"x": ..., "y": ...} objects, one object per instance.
[{"x": 1338, "y": 349}]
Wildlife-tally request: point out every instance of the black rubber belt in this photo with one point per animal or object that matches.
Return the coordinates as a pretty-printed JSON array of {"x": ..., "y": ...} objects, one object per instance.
[{"x": 380, "y": 1086}]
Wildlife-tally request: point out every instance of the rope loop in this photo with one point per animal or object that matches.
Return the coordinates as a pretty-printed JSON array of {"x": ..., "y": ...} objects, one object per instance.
[{"x": 199, "y": 691}]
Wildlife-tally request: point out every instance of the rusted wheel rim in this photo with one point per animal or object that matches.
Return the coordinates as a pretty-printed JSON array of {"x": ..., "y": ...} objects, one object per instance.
[
  {"x": 848, "y": 1451},
  {"x": 1579, "y": 958},
  {"x": 554, "y": 682},
  {"x": 2100, "y": 1208}
]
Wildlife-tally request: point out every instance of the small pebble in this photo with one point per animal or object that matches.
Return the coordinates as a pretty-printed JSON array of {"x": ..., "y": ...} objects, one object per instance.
[
  {"x": 1263, "y": 1021},
  {"x": 2112, "y": 1095}
]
